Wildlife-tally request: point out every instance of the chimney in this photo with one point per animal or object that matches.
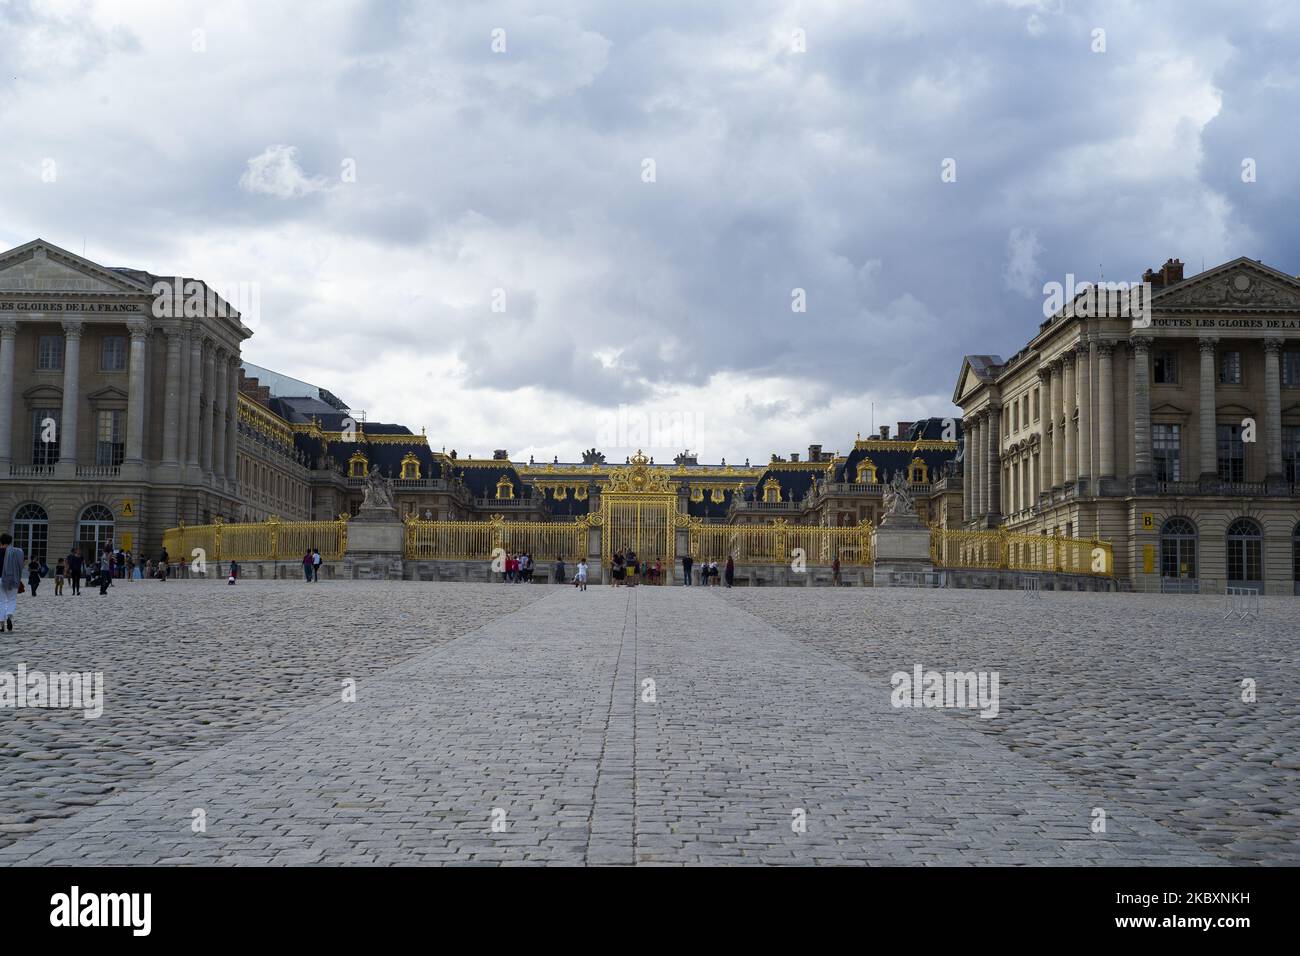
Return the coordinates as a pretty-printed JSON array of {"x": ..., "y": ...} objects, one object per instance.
[
  {"x": 794, "y": 456},
  {"x": 904, "y": 428},
  {"x": 1170, "y": 273},
  {"x": 814, "y": 452},
  {"x": 500, "y": 455},
  {"x": 884, "y": 432}
]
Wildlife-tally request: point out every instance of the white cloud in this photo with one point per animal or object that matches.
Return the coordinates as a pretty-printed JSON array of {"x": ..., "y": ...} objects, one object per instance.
[
  {"x": 1022, "y": 273},
  {"x": 275, "y": 172}
]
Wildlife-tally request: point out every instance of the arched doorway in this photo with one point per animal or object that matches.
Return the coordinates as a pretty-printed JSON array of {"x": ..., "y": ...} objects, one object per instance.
[
  {"x": 94, "y": 530},
  {"x": 1178, "y": 555},
  {"x": 32, "y": 530},
  {"x": 1245, "y": 554}
]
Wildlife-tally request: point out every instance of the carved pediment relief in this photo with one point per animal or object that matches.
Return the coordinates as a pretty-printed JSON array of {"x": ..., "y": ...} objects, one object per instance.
[
  {"x": 1239, "y": 287},
  {"x": 1233, "y": 410},
  {"x": 39, "y": 268}
]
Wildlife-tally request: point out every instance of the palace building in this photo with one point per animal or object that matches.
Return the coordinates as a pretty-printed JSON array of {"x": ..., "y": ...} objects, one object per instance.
[
  {"x": 126, "y": 411},
  {"x": 1174, "y": 434}
]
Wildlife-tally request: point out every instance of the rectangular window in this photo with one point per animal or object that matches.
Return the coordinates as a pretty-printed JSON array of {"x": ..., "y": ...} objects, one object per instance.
[
  {"x": 49, "y": 353},
  {"x": 112, "y": 356},
  {"x": 1024, "y": 410},
  {"x": 110, "y": 445},
  {"x": 1015, "y": 416},
  {"x": 1291, "y": 369},
  {"x": 1166, "y": 368},
  {"x": 45, "y": 436},
  {"x": 1037, "y": 402},
  {"x": 1291, "y": 452},
  {"x": 1232, "y": 454},
  {"x": 1230, "y": 368},
  {"x": 1165, "y": 442}
]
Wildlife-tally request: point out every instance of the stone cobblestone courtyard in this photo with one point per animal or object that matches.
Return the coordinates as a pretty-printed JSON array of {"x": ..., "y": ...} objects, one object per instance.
[{"x": 525, "y": 706}]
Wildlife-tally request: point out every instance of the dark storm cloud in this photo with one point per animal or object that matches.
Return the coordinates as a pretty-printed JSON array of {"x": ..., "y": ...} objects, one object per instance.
[{"x": 775, "y": 170}]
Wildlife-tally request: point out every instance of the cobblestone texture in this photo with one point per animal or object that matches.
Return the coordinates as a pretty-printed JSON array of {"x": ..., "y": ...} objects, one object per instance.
[
  {"x": 1137, "y": 697},
  {"x": 539, "y": 715},
  {"x": 188, "y": 666}
]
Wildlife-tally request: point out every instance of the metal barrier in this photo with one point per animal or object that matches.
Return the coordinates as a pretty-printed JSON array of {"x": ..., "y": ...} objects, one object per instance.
[
  {"x": 1005, "y": 550},
  {"x": 1240, "y": 603},
  {"x": 270, "y": 540}
]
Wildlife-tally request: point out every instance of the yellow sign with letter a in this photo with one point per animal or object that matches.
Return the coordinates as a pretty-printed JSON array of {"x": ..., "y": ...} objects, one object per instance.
[{"x": 128, "y": 508}]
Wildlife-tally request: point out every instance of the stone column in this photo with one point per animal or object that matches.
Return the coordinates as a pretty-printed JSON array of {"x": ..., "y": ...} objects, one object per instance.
[
  {"x": 977, "y": 467},
  {"x": 967, "y": 472},
  {"x": 1058, "y": 436},
  {"x": 1273, "y": 408},
  {"x": 1209, "y": 435},
  {"x": 1083, "y": 390},
  {"x": 183, "y": 400},
  {"x": 8, "y": 334},
  {"x": 194, "y": 417},
  {"x": 1067, "y": 412},
  {"x": 1140, "y": 371},
  {"x": 220, "y": 392},
  {"x": 172, "y": 399},
  {"x": 135, "y": 393},
  {"x": 1106, "y": 409},
  {"x": 1044, "y": 429},
  {"x": 993, "y": 464},
  {"x": 208, "y": 408},
  {"x": 232, "y": 424},
  {"x": 71, "y": 396}
]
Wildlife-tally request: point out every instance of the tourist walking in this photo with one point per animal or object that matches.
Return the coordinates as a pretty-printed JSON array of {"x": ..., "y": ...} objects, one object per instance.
[
  {"x": 580, "y": 578},
  {"x": 74, "y": 570},
  {"x": 307, "y": 566},
  {"x": 315, "y": 565},
  {"x": 618, "y": 572},
  {"x": 58, "y": 576},
  {"x": 11, "y": 578},
  {"x": 163, "y": 565},
  {"x": 835, "y": 571},
  {"x": 34, "y": 576},
  {"x": 559, "y": 569},
  {"x": 730, "y": 573},
  {"x": 234, "y": 572},
  {"x": 105, "y": 569},
  {"x": 687, "y": 563}
]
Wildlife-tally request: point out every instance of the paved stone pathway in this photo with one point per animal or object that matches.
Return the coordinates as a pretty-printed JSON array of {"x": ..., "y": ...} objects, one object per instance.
[{"x": 536, "y": 722}]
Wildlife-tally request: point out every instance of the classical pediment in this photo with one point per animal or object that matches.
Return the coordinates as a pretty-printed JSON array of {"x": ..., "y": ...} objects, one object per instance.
[
  {"x": 1240, "y": 285},
  {"x": 1233, "y": 410},
  {"x": 1169, "y": 410},
  {"x": 41, "y": 268}
]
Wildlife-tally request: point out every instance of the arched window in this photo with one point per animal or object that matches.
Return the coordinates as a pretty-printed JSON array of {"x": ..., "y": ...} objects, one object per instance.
[
  {"x": 1245, "y": 552},
  {"x": 358, "y": 466},
  {"x": 918, "y": 472},
  {"x": 505, "y": 488},
  {"x": 94, "y": 530},
  {"x": 771, "y": 490},
  {"x": 32, "y": 530},
  {"x": 1178, "y": 549},
  {"x": 1295, "y": 559},
  {"x": 866, "y": 472}
]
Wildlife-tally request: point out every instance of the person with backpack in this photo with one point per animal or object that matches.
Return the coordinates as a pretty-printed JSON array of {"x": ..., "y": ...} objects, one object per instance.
[
  {"x": 307, "y": 566},
  {"x": 75, "y": 563},
  {"x": 315, "y": 565}
]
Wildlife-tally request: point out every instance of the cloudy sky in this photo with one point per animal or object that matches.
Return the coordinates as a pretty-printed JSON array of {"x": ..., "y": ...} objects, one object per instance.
[{"x": 642, "y": 186}]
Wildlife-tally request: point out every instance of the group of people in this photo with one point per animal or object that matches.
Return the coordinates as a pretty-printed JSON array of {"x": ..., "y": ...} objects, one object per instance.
[
  {"x": 99, "y": 570},
  {"x": 628, "y": 571},
  {"x": 708, "y": 572},
  {"x": 518, "y": 567},
  {"x": 310, "y": 566}
]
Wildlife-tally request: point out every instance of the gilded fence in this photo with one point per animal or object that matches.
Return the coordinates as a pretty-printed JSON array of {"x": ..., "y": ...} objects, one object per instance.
[
  {"x": 271, "y": 540},
  {"x": 780, "y": 543},
  {"x": 1004, "y": 550},
  {"x": 473, "y": 540}
]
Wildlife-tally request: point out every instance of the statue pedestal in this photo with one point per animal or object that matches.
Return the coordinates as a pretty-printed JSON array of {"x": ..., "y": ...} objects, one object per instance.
[
  {"x": 376, "y": 543},
  {"x": 900, "y": 544}
]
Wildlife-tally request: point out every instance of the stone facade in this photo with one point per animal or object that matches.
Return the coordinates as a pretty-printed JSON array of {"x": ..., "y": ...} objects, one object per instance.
[
  {"x": 1175, "y": 434},
  {"x": 117, "y": 409}
]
